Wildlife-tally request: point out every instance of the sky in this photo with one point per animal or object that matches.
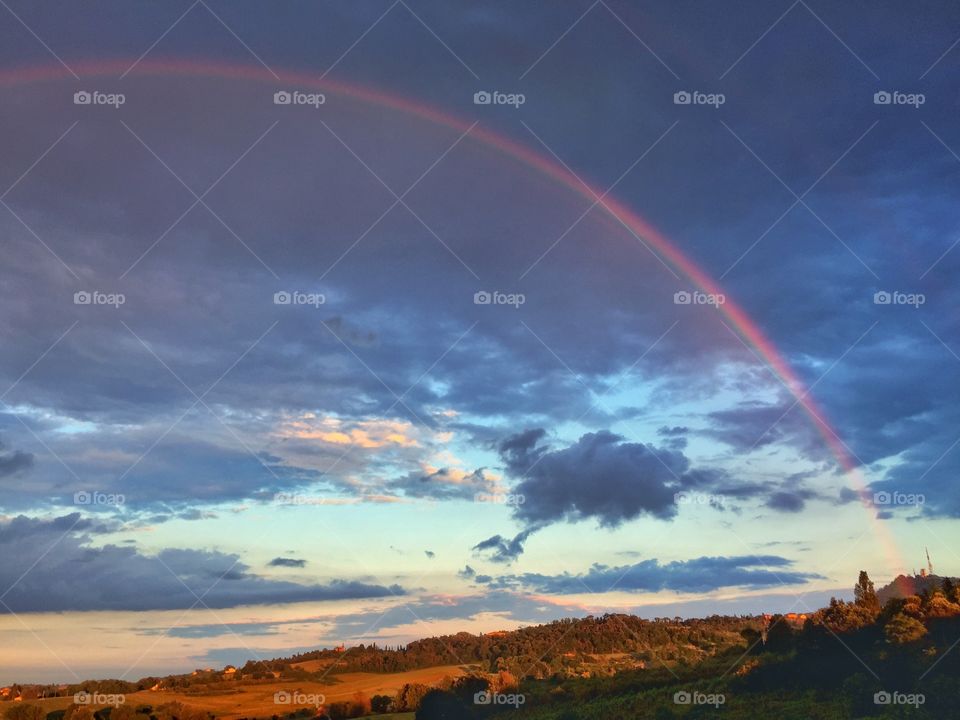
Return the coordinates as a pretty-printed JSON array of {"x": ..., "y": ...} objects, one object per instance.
[{"x": 363, "y": 322}]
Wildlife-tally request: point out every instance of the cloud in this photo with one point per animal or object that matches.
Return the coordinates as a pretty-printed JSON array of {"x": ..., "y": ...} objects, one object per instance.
[
  {"x": 754, "y": 424},
  {"x": 287, "y": 562},
  {"x": 703, "y": 574},
  {"x": 600, "y": 476},
  {"x": 792, "y": 502},
  {"x": 13, "y": 463},
  {"x": 82, "y": 576},
  {"x": 366, "y": 434},
  {"x": 444, "y": 484},
  {"x": 504, "y": 550}
]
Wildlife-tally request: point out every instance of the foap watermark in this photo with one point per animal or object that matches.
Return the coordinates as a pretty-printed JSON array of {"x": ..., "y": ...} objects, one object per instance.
[
  {"x": 482, "y": 297},
  {"x": 684, "y": 697},
  {"x": 695, "y": 97},
  {"x": 299, "y": 298},
  {"x": 96, "y": 297},
  {"x": 485, "y": 697},
  {"x": 98, "y": 698},
  {"x": 84, "y": 497},
  {"x": 295, "y": 499},
  {"x": 285, "y": 697},
  {"x": 899, "y": 498},
  {"x": 895, "y": 297},
  {"x": 495, "y": 97},
  {"x": 500, "y": 498},
  {"x": 686, "y": 497},
  {"x": 884, "y": 97},
  {"x": 685, "y": 297},
  {"x": 297, "y": 97},
  {"x": 898, "y": 698},
  {"x": 96, "y": 97}
]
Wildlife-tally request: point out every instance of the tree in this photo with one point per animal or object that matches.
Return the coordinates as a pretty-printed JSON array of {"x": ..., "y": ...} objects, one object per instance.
[
  {"x": 939, "y": 606},
  {"x": 442, "y": 705},
  {"x": 409, "y": 696},
  {"x": 123, "y": 712},
  {"x": 381, "y": 703},
  {"x": 949, "y": 589},
  {"x": 79, "y": 712},
  {"x": 865, "y": 595},
  {"x": 467, "y": 687},
  {"x": 903, "y": 629},
  {"x": 24, "y": 711},
  {"x": 842, "y": 617}
]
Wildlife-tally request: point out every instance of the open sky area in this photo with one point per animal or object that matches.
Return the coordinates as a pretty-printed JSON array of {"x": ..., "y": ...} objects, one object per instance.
[{"x": 341, "y": 322}]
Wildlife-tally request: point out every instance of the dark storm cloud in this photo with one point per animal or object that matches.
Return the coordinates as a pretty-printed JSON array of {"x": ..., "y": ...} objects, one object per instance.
[
  {"x": 501, "y": 549},
  {"x": 601, "y": 476},
  {"x": 675, "y": 431},
  {"x": 605, "y": 478},
  {"x": 287, "y": 562},
  {"x": 13, "y": 462},
  {"x": 703, "y": 574},
  {"x": 81, "y": 576},
  {"x": 786, "y": 501}
]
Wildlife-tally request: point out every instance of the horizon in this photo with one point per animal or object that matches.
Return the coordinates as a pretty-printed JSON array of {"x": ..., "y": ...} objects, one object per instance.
[{"x": 367, "y": 323}]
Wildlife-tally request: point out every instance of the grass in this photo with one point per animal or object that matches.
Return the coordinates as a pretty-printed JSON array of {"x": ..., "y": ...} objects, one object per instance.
[{"x": 231, "y": 700}]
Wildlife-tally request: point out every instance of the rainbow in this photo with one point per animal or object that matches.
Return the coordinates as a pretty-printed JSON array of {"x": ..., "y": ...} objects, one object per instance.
[{"x": 748, "y": 331}]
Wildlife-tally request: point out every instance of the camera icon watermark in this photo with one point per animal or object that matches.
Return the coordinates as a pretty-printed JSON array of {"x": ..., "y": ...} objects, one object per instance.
[
  {"x": 684, "y": 697},
  {"x": 500, "y": 498},
  {"x": 897, "y": 498},
  {"x": 285, "y": 697},
  {"x": 485, "y": 697},
  {"x": 95, "y": 97},
  {"x": 282, "y": 498},
  {"x": 495, "y": 97},
  {"x": 685, "y": 497},
  {"x": 483, "y": 297},
  {"x": 84, "y": 497},
  {"x": 685, "y": 297},
  {"x": 98, "y": 698},
  {"x": 695, "y": 97},
  {"x": 898, "y": 698},
  {"x": 299, "y": 298},
  {"x": 296, "y": 97},
  {"x": 895, "y": 297},
  {"x": 884, "y": 97},
  {"x": 96, "y": 297}
]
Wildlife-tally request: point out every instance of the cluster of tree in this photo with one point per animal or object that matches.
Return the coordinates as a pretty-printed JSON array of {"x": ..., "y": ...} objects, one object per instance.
[
  {"x": 38, "y": 691},
  {"x": 167, "y": 711},
  {"x": 902, "y": 619},
  {"x": 833, "y": 666},
  {"x": 539, "y": 651}
]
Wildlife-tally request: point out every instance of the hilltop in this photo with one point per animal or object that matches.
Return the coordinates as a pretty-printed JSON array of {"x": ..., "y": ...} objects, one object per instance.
[{"x": 903, "y": 586}]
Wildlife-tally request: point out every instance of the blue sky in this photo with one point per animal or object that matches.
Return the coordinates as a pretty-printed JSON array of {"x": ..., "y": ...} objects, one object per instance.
[{"x": 194, "y": 469}]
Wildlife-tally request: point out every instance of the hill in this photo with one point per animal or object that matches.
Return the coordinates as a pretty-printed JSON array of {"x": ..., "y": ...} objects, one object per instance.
[
  {"x": 903, "y": 586},
  {"x": 859, "y": 659}
]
